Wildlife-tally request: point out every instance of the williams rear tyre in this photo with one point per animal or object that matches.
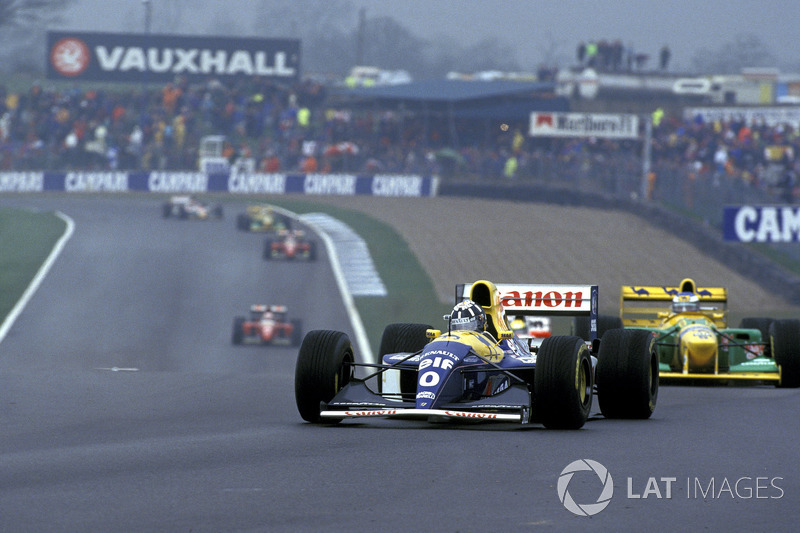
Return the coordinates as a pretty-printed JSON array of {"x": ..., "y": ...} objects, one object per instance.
[
  {"x": 268, "y": 249},
  {"x": 243, "y": 222},
  {"x": 403, "y": 337},
  {"x": 563, "y": 383},
  {"x": 784, "y": 336},
  {"x": 627, "y": 374},
  {"x": 580, "y": 325},
  {"x": 324, "y": 367},
  {"x": 238, "y": 330}
]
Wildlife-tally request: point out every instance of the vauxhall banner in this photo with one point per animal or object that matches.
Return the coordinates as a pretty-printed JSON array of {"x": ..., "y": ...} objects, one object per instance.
[
  {"x": 761, "y": 223},
  {"x": 140, "y": 58}
]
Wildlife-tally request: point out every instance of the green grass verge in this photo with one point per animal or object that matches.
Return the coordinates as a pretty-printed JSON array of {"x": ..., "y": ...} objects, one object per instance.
[{"x": 26, "y": 239}]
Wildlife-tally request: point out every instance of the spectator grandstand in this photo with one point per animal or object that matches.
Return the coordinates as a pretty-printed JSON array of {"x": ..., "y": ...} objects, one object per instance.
[{"x": 297, "y": 128}]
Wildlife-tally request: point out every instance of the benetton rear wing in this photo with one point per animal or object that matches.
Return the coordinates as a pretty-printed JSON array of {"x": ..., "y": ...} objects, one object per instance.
[{"x": 644, "y": 306}]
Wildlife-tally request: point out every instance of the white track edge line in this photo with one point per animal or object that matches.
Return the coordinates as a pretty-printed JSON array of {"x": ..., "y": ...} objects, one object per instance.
[
  {"x": 39, "y": 277},
  {"x": 347, "y": 298}
]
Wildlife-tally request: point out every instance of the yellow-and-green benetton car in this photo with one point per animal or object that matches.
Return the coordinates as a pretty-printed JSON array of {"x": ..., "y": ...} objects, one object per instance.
[
  {"x": 694, "y": 342},
  {"x": 260, "y": 217}
]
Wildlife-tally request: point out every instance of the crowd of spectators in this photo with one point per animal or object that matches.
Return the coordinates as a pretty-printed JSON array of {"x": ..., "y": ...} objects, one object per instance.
[{"x": 295, "y": 129}]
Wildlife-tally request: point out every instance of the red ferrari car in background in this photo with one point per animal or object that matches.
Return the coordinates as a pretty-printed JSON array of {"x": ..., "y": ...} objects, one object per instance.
[
  {"x": 267, "y": 324},
  {"x": 290, "y": 244}
]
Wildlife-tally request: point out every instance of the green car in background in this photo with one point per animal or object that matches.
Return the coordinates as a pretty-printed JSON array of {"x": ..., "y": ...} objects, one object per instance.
[
  {"x": 258, "y": 218},
  {"x": 694, "y": 341}
]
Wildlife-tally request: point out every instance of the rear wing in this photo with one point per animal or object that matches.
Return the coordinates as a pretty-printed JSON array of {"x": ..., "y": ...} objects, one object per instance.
[
  {"x": 646, "y": 306},
  {"x": 543, "y": 300},
  {"x": 263, "y": 308}
]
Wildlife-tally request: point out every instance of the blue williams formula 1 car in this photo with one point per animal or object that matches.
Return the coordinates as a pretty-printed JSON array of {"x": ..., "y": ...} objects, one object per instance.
[{"x": 479, "y": 370}]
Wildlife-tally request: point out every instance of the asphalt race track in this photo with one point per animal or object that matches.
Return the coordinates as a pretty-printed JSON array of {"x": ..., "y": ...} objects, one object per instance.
[{"x": 125, "y": 407}]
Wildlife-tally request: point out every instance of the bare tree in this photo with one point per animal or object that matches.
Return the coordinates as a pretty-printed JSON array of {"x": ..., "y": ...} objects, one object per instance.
[
  {"x": 22, "y": 32},
  {"x": 746, "y": 50},
  {"x": 446, "y": 55},
  {"x": 30, "y": 13}
]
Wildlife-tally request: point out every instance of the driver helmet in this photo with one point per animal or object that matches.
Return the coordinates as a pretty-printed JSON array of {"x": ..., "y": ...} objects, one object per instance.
[
  {"x": 685, "y": 302},
  {"x": 467, "y": 316},
  {"x": 519, "y": 326}
]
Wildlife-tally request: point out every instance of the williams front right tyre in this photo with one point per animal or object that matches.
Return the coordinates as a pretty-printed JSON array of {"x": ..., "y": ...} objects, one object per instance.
[{"x": 324, "y": 367}]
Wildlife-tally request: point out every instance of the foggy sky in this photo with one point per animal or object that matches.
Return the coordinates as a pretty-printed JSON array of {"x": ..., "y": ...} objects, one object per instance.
[{"x": 536, "y": 29}]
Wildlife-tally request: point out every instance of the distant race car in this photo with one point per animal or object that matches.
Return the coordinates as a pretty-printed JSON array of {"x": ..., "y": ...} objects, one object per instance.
[
  {"x": 689, "y": 324},
  {"x": 186, "y": 207},
  {"x": 536, "y": 328},
  {"x": 262, "y": 218},
  {"x": 267, "y": 324},
  {"x": 486, "y": 374},
  {"x": 290, "y": 244}
]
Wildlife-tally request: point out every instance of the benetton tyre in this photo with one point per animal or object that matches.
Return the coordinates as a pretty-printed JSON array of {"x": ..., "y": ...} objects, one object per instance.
[{"x": 785, "y": 341}]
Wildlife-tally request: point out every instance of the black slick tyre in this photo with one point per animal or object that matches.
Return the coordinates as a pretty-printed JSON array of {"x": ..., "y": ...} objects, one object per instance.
[
  {"x": 784, "y": 338},
  {"x": 403, "y": 337},
  {"x": 323, "y": 368},
  {"x": 626, "y": 375},
  {"x": 580, "y": 325},
  {"x": 563, "y": 383},
  {"x": 238, "y": 330}
]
